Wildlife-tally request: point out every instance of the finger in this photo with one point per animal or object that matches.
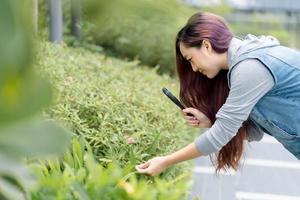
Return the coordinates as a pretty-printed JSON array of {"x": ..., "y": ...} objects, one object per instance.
[
  {"x": 144, "y": 165},
  {"x": 189, "y": 111},
  {"x": 142, "y": 171},
  {"x": 189, "y": 117},
  {"x": 193, "y": 121},
  {"x": 194, "y": 124}
]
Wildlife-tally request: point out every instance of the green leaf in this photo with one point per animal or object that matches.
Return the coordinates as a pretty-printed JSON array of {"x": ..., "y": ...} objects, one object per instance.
[
  {"x": 22, "y": 96},
  {"x": 68, "y": 158},
  {"x": 15, "y": 40},
  {"x": 21, "y": 93},
  {"x": 54, "y": 165},
  {"x": 12, "y": 169},
  {"x": 77, "y": 153},
  {"x": 79, "y": 192},
  {"x": 10, "y": 191},
  {"x": 34, "y": 138}
]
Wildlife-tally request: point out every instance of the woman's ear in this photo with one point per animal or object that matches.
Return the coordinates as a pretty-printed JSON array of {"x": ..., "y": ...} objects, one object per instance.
[{"x": 206, "y": 45}]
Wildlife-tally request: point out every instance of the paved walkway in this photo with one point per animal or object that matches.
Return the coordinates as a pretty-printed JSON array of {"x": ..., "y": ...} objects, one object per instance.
[{"x": 269, "y": 173}]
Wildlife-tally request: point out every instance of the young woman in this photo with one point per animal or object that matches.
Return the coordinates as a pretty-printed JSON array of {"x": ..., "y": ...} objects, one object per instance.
[{"x": 238, "y": 89}]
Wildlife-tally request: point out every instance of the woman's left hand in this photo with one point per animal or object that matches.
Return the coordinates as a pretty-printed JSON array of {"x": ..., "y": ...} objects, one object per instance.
[{"x": 153, "y": 166}]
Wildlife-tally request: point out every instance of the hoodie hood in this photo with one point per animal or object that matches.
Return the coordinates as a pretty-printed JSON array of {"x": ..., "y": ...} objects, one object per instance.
[{"x": 237, "y": 47}]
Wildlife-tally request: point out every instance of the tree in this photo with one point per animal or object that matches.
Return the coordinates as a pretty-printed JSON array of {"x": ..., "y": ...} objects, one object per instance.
[{"x": 56, "y": 21}]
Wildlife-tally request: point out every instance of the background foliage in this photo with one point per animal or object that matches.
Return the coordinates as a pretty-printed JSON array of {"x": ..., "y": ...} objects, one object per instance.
[{"x": 118, "y": 107}]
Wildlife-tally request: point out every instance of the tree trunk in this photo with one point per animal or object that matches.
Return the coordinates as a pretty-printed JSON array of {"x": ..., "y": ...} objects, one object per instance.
[{"x": 56, "y": 21}]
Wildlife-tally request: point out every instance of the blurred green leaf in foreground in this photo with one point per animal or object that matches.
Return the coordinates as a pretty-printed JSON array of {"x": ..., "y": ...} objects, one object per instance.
[{"x": 23, "y": 95}]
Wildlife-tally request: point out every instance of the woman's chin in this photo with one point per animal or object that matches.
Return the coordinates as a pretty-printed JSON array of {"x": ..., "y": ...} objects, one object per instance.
[{"x": 209, "y": 76}]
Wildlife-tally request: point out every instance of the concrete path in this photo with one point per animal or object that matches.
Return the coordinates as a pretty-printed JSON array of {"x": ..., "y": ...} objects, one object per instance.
[{"x": 269, "y": 173}]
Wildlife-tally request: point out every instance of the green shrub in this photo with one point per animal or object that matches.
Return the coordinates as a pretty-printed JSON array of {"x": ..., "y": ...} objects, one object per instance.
[
  {"x": 111, "y": 102},
  {"x": 143, "y": 30},
  {"x": 78, "y": 176}
]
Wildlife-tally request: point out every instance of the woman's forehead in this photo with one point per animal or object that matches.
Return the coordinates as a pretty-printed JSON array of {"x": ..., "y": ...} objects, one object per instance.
[{"x": 183, "y": 49}]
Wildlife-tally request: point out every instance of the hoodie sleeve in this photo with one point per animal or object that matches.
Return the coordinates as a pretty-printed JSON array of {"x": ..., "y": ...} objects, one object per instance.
[{"x": 250, "y": 81}]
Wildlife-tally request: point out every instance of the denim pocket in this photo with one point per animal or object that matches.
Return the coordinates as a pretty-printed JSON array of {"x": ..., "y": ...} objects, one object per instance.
[
  {"x": 280, "y": 133},
  {"x": 289, "y": 141}
]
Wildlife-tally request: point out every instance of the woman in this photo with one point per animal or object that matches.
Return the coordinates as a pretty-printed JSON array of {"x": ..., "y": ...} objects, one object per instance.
[{"x": 238, "y": 89}]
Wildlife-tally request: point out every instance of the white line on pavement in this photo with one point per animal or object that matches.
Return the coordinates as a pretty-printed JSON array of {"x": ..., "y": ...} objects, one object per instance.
[
  {"x": 211, "y": 170},
  {"x": 252, "y": 162},
  {"x": 263, "y": 196},
  {"x": 272, "y": 163}
]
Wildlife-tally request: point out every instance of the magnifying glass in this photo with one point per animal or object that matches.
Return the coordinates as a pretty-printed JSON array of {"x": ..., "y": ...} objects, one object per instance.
[{"x": 174, "y": 100}]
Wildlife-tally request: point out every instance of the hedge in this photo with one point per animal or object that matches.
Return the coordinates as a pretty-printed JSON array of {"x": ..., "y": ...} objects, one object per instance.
[{"x": 116, "y": 106}]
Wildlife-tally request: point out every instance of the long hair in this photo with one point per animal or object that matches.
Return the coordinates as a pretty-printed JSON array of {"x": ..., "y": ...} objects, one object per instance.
[{"x": 198, "y": 91}]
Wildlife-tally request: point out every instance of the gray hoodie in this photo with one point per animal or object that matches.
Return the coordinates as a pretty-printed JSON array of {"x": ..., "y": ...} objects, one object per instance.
[{"x": 250, "y": 80}]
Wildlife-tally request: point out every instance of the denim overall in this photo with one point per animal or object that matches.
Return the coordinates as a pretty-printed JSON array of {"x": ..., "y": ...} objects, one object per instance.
[{"x": 278, "y": 112}]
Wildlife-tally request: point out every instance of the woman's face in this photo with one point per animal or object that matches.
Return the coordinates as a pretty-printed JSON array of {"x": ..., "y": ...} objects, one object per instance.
[{"x": 203, "y": 59}]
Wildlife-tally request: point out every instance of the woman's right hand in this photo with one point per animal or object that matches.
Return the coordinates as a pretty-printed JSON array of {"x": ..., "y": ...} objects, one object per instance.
[{"x": 199, "y": 120}]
